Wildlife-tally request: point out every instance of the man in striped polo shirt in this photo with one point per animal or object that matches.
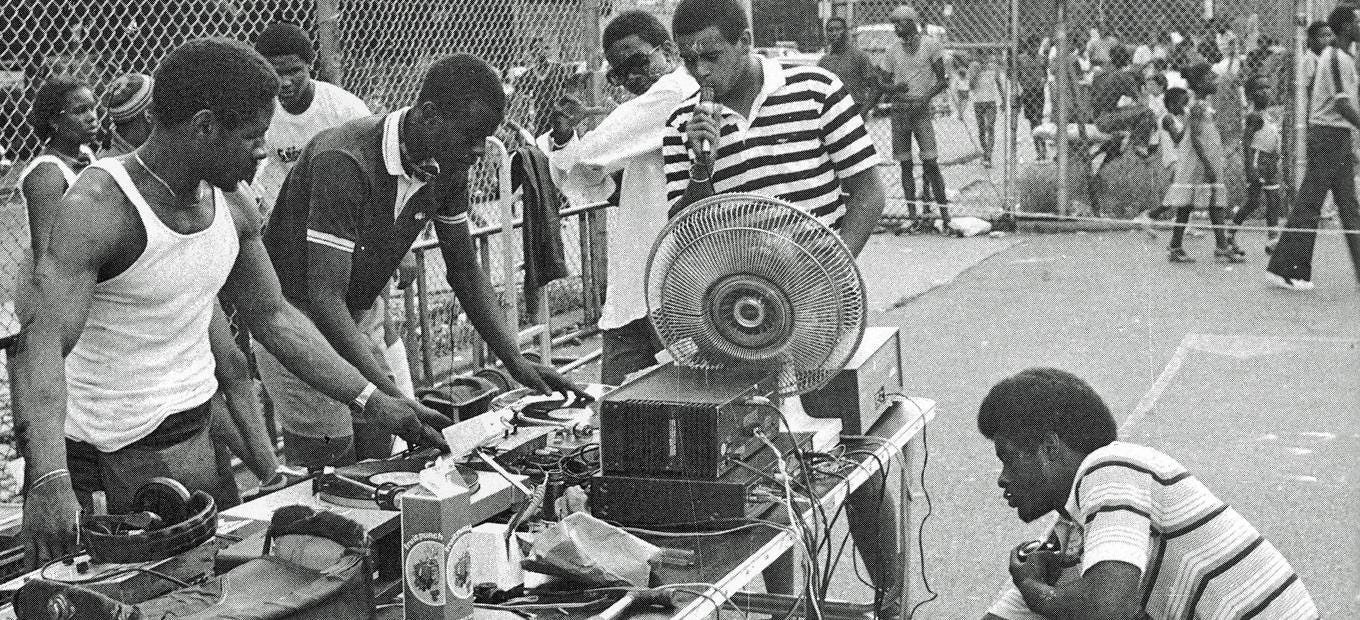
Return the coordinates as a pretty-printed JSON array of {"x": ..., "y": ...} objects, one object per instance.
[
  {"x": 793, "y": 133},
  {"x": 789, "y": 132},
  {"x": 1137, "y": 536}
]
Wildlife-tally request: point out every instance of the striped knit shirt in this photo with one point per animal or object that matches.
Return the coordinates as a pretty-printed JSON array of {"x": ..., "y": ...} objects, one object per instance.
[
  {"x": 804, "y": 137},
  {"x": 1198, "y": 557}
]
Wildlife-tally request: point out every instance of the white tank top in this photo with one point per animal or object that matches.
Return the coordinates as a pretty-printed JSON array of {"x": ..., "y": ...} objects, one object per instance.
[
  {"x": 23, "y": 285},
  {"x": 66, "y": 173},
  {"x": 144, "y": 354},
  {"x": 66, "y": 170}
]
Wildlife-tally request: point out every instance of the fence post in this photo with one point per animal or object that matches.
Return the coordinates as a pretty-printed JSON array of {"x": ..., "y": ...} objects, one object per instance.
[
  {"x": 426, "y": 324},
  {"x": 1062, "y": 83},
  {"x": 1012, "y": 112},
  {"x": 328, "y": 56},
  {"x": 592, "y": 226},
  {"x": 1303, "y": 15}
]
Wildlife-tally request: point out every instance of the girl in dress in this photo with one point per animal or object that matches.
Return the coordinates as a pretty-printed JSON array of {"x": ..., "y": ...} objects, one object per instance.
[{"x": 1200, "y": 164}]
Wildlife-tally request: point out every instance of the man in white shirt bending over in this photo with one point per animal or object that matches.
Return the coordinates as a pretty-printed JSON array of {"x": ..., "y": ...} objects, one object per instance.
[
  {"x": 305, "y": 107},
  {"x": 644, "y": 60}
]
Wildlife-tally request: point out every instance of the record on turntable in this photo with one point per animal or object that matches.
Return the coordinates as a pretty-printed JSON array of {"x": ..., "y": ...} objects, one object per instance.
[{"x": 377, "y": 484}]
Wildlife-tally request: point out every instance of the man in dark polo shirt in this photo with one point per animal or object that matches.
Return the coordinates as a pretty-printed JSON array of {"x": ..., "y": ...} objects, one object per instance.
[
  {"x": 852, "y": 65},
  {"x": 350, "y": 209}
]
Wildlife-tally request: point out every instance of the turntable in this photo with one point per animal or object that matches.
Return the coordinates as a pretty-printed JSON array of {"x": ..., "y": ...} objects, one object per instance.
[{"x": 378, "y": 484}]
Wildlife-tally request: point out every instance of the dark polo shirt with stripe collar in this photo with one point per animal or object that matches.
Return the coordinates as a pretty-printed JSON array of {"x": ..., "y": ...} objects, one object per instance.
[{"x": 350, "y": 191}]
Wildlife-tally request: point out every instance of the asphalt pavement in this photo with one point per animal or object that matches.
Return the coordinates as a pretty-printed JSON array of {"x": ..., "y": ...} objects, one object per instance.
[{"x": 1254, "y": 389}]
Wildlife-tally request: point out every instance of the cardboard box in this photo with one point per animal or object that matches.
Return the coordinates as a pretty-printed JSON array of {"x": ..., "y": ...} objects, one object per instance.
[{"x": 436, "y": 561}]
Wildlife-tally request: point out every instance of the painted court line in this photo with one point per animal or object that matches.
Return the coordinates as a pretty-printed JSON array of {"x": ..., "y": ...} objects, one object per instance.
[
  {"x": 1149, "y": 399},
  {"x": 1192, "y": 341}
]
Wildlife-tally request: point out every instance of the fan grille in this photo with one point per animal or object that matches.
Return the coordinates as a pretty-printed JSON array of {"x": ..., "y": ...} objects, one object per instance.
[{"x": 741, "y": 280}]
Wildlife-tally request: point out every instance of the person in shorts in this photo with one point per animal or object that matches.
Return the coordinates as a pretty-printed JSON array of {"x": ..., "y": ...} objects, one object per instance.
[{"x": 914, "y": 74}]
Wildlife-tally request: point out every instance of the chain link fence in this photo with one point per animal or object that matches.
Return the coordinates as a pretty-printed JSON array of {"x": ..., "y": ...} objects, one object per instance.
[
  {"x": 377, "y": 49},
  {"x": 1240, "y": 38}
]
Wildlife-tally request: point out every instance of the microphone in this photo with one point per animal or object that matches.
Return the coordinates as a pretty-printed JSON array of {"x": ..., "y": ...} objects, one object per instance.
[{"x": 702, "y": 167}]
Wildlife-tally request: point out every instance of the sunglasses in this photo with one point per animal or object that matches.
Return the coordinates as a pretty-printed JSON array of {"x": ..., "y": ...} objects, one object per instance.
[{"x": 635, "y": 64}]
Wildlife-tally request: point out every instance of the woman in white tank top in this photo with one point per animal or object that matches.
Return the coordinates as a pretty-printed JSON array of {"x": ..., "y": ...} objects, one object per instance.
[{"x": 64, "y": 117}]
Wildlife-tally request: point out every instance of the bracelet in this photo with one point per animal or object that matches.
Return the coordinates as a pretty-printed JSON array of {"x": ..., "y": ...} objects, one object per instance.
[
  {"x": 361, "y": 400},
  {"x": 48, "y": 477},
  {"x": 703, "y": 180}
]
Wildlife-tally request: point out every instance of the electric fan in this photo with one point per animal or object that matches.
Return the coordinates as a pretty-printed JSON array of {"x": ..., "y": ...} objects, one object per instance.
[
  {"x": 741, "y": 280},
  {"x": 755, "y": 300}
]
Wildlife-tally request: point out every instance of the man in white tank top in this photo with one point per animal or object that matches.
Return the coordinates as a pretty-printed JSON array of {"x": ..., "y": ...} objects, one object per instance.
[{"x": 114, "y": 369}]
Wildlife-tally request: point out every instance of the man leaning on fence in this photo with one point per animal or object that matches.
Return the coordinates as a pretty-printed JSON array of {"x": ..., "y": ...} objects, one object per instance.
[
  {"x": 350, "y": 209},
  {"x": 1118, "y": 103},
  {"x": 1332, "y": 115}
]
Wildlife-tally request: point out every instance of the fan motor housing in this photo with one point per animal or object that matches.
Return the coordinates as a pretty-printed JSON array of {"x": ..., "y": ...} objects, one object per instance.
[{"x": 681, "y": 422}]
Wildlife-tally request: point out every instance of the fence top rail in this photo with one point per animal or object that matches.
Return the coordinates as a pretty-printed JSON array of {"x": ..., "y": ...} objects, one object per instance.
[{"x": 491, "y": 229}]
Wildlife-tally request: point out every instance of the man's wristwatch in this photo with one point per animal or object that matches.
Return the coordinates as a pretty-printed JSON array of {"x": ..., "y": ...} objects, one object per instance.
[{"x": 361, "y": 401}]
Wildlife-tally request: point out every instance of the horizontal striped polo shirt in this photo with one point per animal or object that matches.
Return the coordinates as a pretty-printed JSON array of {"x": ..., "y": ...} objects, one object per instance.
[
  {"x": 804, "y": 137},
  {"x": 1199, "y": 558}
]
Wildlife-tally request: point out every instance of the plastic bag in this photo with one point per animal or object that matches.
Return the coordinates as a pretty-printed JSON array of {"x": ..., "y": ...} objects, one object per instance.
[{"x": 594, "y": 552}]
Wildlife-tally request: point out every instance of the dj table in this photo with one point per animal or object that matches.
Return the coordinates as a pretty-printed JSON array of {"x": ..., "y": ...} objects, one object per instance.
[
  {"x": 732, "y": 561},
  {"x": 724, "y": 564}
]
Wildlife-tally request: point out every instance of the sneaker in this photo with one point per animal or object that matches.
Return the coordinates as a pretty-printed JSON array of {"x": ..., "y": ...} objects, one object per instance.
[
  {"x": 1178, "y": 255},
  {"x": 1230, "y": 254},
  {"x": 1288, "y": 283}
]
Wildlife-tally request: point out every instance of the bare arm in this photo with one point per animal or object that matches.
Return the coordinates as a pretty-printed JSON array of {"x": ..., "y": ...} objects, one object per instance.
[
  {"x": 863, "y": 206},
  {"x": 1108, "y": 590},
  {"x": 478, "y": 299},
  {"x": 328, "y": 271},
  {"x": 941, "y": 82},
  {"x": 1345, "y": 106},
  {"x": 694, "y": 192},
  {"x": 43, "y": 188},
  {"x": 86, "y": 232},
  {"x": 291, "y": 338},
  {"x": 283, "y": 330},
  {"x": 248, "y": 438}
]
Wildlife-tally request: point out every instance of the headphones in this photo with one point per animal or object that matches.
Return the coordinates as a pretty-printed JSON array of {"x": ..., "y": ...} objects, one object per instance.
[{"x": 166, "y": 520}]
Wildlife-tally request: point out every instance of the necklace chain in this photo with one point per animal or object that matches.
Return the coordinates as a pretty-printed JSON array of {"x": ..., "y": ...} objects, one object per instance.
[{"x": 153, "y": 174}]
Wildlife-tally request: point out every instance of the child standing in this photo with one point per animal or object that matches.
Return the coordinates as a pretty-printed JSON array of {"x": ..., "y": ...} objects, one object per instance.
[
  {"x": 985, "y": 84},
  {"x": 1170, "y": 132},
  {"x": 1200, "y": 165},
  {"x": 961, "y": 83},
  {"x": 1261, "y": 143}
]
